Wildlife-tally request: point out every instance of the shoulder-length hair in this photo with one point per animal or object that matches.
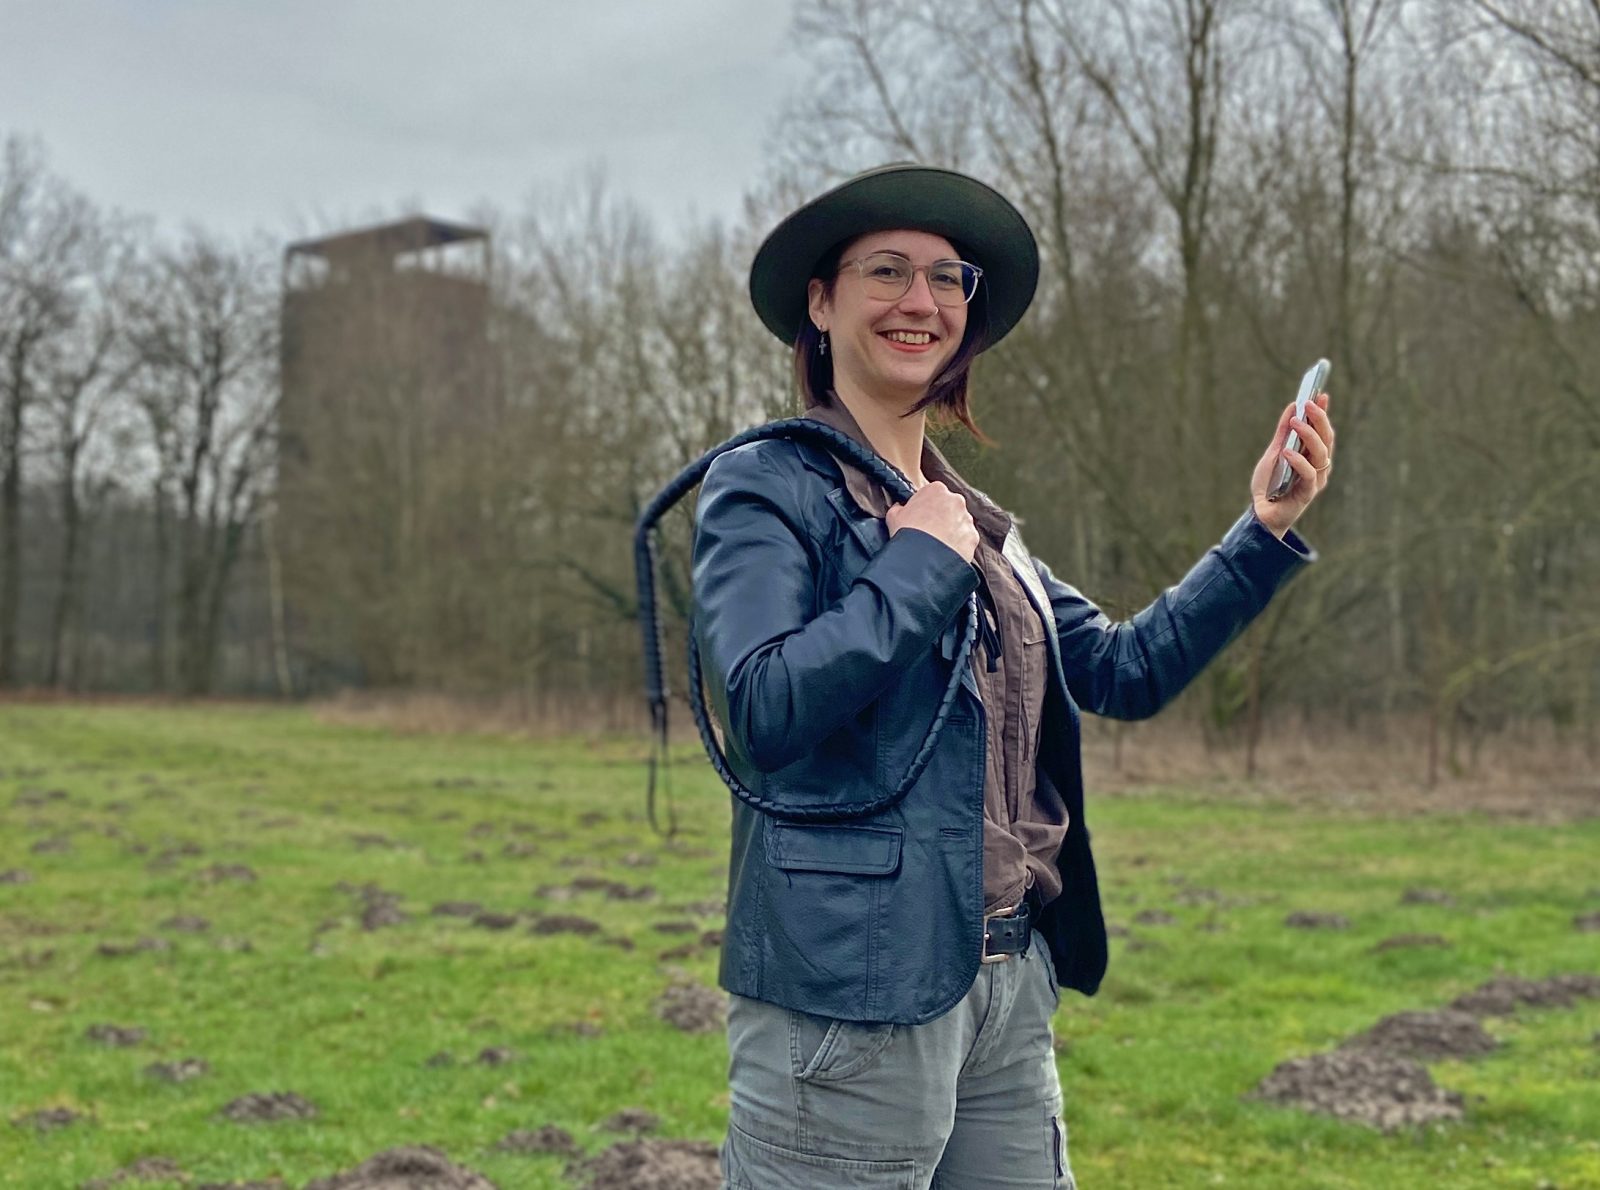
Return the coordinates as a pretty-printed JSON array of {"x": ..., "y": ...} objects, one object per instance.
[{"x": 946, "y": 398}]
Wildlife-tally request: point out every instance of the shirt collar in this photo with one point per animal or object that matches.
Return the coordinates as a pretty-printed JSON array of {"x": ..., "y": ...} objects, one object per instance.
[{"x": 992, "y": 521}]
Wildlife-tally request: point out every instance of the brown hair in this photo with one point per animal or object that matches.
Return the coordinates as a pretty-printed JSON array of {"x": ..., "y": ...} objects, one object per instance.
[{"x": 946, "y": 398}]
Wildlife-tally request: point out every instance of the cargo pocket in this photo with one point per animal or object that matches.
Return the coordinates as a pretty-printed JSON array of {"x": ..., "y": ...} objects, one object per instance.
[{"x": 749, "y": 1162}]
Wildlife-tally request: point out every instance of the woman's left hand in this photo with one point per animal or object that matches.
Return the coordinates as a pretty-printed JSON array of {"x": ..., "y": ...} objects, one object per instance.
[{"x": 1312, "y": 463}]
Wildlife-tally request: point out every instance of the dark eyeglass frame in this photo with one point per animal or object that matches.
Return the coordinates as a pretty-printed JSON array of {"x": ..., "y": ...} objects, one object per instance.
[{"x": 914, "y": 269}]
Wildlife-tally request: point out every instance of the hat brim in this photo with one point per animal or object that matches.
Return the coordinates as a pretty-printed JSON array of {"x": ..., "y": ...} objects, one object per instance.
[{"x": 960, "y": 208}]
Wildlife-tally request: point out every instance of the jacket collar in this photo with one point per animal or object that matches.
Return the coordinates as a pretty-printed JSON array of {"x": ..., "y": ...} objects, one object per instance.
[{"x": 992, "y": 520}]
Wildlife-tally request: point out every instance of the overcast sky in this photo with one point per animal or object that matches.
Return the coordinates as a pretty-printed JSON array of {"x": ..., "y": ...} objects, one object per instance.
[{"x": 293, "y": 116}]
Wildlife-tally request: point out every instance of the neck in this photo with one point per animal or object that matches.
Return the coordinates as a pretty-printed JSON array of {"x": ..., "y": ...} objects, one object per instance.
[{"x": 898, "y": 439}]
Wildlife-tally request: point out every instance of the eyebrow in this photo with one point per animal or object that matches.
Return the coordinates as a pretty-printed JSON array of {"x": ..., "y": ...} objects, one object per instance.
[{"x": 902, "y": 255}]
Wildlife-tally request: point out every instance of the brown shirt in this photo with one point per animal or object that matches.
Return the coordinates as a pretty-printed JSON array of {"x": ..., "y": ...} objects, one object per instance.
[{"x": 1022, "y": 825}]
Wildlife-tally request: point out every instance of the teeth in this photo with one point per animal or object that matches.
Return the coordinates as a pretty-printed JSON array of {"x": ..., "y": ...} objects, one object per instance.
[{"x": 909, "y": 336}]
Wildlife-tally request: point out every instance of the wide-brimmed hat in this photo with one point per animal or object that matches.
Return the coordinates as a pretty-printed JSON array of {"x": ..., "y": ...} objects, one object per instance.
[{"x": 900, "y": 194}]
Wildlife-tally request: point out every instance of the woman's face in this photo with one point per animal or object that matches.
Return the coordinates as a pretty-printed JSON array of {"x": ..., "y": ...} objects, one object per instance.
[{"x": 866, "y": 335}]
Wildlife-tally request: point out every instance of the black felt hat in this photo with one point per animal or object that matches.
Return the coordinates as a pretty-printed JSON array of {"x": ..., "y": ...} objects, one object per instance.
[{"x": 900, "y": 194}]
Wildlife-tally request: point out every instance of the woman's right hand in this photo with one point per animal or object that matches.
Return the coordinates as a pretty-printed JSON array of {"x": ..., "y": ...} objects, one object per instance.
[{"x": 935, "y": 509}]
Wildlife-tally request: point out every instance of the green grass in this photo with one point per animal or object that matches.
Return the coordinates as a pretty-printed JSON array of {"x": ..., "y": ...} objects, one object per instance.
[{"x": 1152, "y": 1069}]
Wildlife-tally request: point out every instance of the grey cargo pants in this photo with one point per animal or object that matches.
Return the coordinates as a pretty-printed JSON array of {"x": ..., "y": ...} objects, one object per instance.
[{"x": 968, "y": 1101}]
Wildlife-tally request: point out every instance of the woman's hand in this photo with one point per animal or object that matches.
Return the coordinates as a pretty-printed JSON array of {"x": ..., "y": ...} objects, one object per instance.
[
  {"x": 1312, "y": 464},
  {"x": 935, "y": 509}
]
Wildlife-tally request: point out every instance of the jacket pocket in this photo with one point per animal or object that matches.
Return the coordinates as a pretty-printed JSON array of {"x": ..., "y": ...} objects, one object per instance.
[
  {"x": 820, "y": 934},
  {"x": 857, "y": 850}
]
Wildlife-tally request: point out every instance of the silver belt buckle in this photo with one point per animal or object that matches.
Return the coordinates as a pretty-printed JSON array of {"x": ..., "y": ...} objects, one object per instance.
[{"x": 986, "y": 957}]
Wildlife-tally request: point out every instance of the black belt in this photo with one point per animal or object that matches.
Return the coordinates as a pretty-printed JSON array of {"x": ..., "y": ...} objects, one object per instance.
[{"x": 1009, "y": 931}]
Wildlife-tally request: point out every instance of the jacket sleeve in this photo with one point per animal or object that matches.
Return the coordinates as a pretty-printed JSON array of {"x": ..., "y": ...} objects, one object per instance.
[
  {"x": 793, "y": 673},
  {"x": 1130, "y": 670}
]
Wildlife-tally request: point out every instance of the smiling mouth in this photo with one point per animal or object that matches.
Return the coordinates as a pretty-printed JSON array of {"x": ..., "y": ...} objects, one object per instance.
[{"x": 910, "y": 338}]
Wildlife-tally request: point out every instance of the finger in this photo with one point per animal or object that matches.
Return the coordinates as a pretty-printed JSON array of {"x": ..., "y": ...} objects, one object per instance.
[
  {"x": 1281, "y": 435},
  {"x": 1324, "y": 424},
  {"x": 1301, "y": 466},
  {"x": 1311, "y": 444}
]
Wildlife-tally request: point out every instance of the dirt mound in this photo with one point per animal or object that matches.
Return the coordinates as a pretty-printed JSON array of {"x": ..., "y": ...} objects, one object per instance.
[
  {"x": 114, "y": 1034},
  {"x": 496, "y": 1055},
  {"x": 1426, "y": 1035},
  {"x": 40, "y": 797},
  {"x": 578, "y": 1029},
  {"x": 631, "y": 1119},
  {"x": 145, "y": 1169},
  {"x": 1405, "y": 941},
  {"x": 260, "y": 1107},
  {"x": 675, "y": 927},
  {"x": 650, "y": 1165},
  {"x": 548, "y": 1139},
  {"x": 180, "y": 1071},
  {"x": 272, "y": 1184},
  {"x": 217, "y": 873},
  {"x": 1361, "y": 1086},
  {"x": 380, "y": 908},
  {"x": 47, "y": 1119},
  {"x": 559, "y": 923},
  {"x": 30, "y": 960},
  {"x": 705, "y": 908},
  {"x": 187, "y": 923},
  {"x": 117, "y": 950},
  {"x": 1504, "y": 995},
  {"x": 614, "y": 890},
  {"x": 693, "y": 1008},
  {"x": 15, "y": 876},
  {"x": 376, "y": 915},
  {"x": 488, "y": 920},
  {"x": 456, "y": 909},
  {"x": 1427, "y": 896},
  {"x": 1587, "y": 923},
  {"x": 1305, "y": 920},
  {"x": 1154, "y": 917},
  {"x": 408, "y": 1167}
]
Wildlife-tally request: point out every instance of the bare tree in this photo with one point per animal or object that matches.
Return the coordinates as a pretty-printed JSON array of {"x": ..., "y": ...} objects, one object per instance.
[
  {"x": 47, "y": 258},
  {"x": 203, "y": 326},
  {"x": 80, "y": 384}
]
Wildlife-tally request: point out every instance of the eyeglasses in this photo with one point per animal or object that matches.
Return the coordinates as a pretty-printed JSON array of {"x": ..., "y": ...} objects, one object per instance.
[{"x": 887, "y": 275}]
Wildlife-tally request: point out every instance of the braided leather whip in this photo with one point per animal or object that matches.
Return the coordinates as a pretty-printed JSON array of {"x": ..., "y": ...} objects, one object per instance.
[{"x": 650, "y": 624}]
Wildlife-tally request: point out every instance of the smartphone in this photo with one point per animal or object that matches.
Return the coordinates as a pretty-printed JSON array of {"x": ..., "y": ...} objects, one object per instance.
[{"x": 1310, "y": 385}]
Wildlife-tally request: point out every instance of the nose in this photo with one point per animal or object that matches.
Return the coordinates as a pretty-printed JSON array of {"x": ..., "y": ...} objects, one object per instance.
[{"x": 919, "y": 298}]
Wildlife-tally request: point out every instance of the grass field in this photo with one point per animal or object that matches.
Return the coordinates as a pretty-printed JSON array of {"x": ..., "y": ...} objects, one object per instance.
[{"x": 286, "y": 991}]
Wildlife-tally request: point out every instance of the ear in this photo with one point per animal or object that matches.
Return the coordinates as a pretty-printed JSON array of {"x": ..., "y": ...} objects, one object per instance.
[{"x": 816, "y": 303}]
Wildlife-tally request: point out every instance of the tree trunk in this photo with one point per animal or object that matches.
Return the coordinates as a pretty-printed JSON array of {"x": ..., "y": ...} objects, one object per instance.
[
  {"x": 11, "y": 522},
  {"x": 158, "y": 640},
  {"x": 67, "y": 585}
]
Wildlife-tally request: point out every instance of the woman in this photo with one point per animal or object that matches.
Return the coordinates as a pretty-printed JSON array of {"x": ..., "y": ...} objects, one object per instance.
[{"x": 891, "y": 979}]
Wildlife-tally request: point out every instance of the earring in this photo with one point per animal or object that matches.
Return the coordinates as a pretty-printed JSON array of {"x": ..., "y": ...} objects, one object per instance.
[{"x": 822, "y": 344}]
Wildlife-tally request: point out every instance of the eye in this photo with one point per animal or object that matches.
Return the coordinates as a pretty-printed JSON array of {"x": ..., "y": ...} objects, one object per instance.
[
  {"x": 888, "y": 270},
  {"x": 949, "y": 276}
]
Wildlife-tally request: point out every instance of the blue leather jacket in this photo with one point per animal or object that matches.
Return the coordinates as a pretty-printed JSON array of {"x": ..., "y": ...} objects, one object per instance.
[{"x": 825, "y": 645}]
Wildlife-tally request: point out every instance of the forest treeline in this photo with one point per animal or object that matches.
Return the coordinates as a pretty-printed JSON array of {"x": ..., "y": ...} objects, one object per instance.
[{"x": 1223, "y": 191}]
